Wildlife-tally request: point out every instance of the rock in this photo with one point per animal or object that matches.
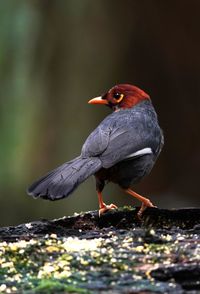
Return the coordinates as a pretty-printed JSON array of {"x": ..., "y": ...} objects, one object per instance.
[{"x": 116, "y": 253}]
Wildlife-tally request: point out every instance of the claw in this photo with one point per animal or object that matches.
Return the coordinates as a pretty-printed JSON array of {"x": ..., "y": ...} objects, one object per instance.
[
  {"x": 143, "y": 207},
  {"x": 105, "y": 208}
]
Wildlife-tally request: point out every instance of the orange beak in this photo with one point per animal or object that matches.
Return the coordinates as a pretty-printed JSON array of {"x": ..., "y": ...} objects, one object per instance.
[{"x": 98, "y": 100}]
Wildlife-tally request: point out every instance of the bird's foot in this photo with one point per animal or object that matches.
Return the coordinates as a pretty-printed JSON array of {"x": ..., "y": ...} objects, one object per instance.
[
  {"x": 145, "y": 204},
  {"x": 105, "y": 208}
]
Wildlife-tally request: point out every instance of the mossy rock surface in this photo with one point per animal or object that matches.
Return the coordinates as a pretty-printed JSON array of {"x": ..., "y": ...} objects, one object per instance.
[{"x": 116, "y": 253}]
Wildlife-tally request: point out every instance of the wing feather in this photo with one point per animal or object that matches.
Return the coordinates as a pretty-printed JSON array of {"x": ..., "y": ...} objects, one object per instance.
[{"x": 121, "y": 134}]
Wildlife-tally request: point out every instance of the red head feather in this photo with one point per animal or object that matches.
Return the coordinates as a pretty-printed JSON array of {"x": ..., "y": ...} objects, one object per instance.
[{"x": 121, "y": 96}]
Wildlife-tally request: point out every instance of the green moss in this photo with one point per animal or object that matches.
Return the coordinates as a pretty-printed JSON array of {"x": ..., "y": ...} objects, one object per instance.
[
  {"x": 53, "y": 286},
  {"x": 127, "y": 208}
]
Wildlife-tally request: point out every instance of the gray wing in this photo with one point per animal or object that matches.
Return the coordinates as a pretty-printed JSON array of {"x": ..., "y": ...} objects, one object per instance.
[
  {"x": 120, "y": 135},
  {"x": 97, "y": 142}
]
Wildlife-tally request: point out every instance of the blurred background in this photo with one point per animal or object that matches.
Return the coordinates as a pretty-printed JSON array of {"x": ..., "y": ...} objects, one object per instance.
[{"x": 56, "y": 55}]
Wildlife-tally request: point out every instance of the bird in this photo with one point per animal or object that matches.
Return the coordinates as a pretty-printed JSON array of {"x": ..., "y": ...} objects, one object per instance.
[{"x": 122, "y": 149}]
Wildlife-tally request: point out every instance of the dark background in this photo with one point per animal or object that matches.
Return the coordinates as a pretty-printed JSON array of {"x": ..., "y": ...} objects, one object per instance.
[{"x": 56, "y": 55}]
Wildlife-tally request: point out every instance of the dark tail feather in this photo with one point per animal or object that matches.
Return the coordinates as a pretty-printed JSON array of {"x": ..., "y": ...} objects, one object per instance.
[{"x": 63, "y": 180}]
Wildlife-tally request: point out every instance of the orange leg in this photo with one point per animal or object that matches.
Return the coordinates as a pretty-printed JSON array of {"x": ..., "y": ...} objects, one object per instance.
[
  {"x": 145, "y": 201},
  {"x": 102, "y": 206}
]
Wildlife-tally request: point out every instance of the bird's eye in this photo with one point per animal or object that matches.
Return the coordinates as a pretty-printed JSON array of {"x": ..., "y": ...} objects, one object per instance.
[{"x": 118, "y": 97}]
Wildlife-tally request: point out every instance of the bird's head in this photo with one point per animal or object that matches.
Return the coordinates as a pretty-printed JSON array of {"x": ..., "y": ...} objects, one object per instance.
[{"x": 121, "y": 96}]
